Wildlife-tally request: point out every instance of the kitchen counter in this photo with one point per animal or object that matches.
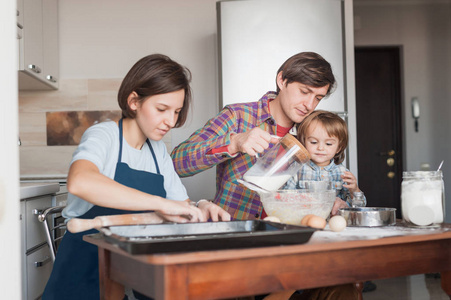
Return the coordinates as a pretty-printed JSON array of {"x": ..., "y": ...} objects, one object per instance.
[{"x": 35, "y": 189}]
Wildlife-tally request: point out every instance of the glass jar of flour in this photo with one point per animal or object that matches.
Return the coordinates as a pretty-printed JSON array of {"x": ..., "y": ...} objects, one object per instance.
[{"x": 423, "y": 198}]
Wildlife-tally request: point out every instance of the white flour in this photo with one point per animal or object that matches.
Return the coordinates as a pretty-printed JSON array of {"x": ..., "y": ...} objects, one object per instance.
[
  {"x": 271, "y": 183},
  {"x": 422, "y": 202}
]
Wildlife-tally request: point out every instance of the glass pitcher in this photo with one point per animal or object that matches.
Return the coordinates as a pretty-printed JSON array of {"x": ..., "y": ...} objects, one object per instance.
[{"x": 278, "y": 165}]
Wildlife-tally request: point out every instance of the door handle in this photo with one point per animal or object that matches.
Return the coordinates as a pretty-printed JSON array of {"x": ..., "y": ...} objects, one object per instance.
[
  {"x": 390, "y": 161},
  {"x": 51, "y": 78},
  {"x": 388, "y": 153},
  {"x": 34, "y": 68},
  {"x": 39, "y": 264}
]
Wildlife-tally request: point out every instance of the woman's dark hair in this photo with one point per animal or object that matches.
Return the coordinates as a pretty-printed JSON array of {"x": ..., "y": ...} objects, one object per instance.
[
  {"x": 335, "y": 127},
  {"x": 308, "y": 68},
  {"x": 154, "y": 75}
]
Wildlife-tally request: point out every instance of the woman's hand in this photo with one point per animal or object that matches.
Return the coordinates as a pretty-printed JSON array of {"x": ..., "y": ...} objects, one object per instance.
[
  {"x": 213, "y": 211},
  {"x": 350, "y": 182},
  {"x": 180, "y": 212},
  {"x": 337, "y": 205}
]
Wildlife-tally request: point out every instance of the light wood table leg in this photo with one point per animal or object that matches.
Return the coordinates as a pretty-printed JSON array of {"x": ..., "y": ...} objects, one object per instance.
[{"x": 109, "y": 289}]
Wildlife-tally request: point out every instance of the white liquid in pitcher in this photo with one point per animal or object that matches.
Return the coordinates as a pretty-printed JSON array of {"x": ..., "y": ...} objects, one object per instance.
[
  {"x": 422, "y": 202},
  {"x": 270, "y": 183}
]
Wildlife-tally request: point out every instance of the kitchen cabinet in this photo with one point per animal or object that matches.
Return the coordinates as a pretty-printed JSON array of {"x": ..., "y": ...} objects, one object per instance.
[
  {"x": 38, "y": 47},
  {"x": 50, "y": 41},
  {"x": 36, "y": 259}
]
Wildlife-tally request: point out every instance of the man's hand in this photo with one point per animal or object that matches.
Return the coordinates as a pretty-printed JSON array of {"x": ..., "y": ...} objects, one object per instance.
[{"x": 251, "y": 142}]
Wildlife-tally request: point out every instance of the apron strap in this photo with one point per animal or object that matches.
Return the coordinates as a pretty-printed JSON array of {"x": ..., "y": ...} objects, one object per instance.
[
  {"x": 119, "y": 159},
  {"x": 154, "y": 157}
]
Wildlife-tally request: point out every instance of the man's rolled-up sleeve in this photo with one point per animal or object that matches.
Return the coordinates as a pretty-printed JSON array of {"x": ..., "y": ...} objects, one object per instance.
[{"x": 196, "y": 153}]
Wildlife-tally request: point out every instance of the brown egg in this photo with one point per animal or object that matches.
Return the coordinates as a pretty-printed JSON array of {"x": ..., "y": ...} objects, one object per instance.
[
  {"x": 305, "y": 219},
  {"x": 317, "y": 222}
]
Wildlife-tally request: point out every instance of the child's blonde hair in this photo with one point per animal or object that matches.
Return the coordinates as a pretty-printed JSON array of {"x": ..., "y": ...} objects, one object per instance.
[{"x": 335, "y": 127}]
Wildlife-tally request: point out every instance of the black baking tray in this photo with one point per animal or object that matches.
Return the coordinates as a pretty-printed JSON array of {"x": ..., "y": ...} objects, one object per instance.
[{"x": 188, "y": 237}]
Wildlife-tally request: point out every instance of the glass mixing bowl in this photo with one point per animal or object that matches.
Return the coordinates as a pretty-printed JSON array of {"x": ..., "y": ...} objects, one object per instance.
[{"x": 291, "y": 206}]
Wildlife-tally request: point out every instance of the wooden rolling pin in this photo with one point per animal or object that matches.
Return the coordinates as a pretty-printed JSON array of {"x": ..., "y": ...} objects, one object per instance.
[{"x": 76, "y": 225}]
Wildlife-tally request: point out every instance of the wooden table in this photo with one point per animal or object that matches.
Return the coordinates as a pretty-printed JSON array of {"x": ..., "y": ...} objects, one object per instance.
[{"x": 234, "y": 273}]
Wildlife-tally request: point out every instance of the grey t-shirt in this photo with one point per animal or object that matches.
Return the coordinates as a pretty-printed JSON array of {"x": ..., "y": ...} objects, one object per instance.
[{"x": 100, "y": 145}]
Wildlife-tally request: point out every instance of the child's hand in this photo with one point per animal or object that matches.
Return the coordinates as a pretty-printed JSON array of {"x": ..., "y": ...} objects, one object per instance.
[
  {"x": 337, "y": 205},
  {"x": 350, "y": 182}
]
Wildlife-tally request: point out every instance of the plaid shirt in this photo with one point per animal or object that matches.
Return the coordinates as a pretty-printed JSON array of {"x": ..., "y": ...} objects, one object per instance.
[
  {"x": 311, "y": 172},
  {"x": 191, "y": 157}
]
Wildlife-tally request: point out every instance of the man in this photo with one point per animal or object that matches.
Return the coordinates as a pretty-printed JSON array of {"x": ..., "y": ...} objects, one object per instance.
[{"x": 232, "y": 139}]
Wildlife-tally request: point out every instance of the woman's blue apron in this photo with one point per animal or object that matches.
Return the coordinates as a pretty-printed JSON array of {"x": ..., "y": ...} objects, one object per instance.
[{"x": 75, "y": 273}]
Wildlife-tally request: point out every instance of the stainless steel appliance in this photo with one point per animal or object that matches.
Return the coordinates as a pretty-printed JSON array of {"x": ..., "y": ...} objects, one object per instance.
[{"x": 257, "y": 36}]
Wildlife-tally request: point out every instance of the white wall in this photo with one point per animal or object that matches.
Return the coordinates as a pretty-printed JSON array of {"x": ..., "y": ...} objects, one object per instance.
[
  {"x": 104, "y": 38},
  {"x": 423, "y": 29},
  {"x": 10, "y": 279}
]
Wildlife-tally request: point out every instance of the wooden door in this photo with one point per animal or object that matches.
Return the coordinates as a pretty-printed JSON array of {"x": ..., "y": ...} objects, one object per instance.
[{"x": 379, "y": 125}]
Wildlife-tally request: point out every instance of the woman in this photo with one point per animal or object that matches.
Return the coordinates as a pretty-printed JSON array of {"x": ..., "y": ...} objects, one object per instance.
[{"x": 124, "y": 167}]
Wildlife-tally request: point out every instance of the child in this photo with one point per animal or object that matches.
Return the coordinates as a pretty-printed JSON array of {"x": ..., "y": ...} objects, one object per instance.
[
  {"x": 124, "y": 167},
  {"x": 325, "y": 136}
]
